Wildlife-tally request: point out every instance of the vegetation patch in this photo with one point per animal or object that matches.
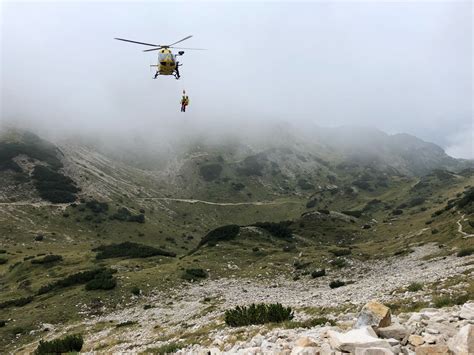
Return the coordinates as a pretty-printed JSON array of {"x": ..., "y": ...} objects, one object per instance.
[
  {"x": 124, "y": 214},
  {"x": 227, "y": 232},
  {"x": 210, "y": 172},
  {"x": 17, "y": 302},
  {"x": 356, "y": 213},
  {"x": 100, "y": 278},
  {"x": 54, "y": 186},
  {"x": 415, "y": 286},
  {"x": 48, "y": 259},
  {"x": 194, "y": 274},
  {"x": 465, "y": 252},
  {"x": 70, "y": 343},
  {"x": 340, "y": 252},
  {"x": 279, "y": 230},
  {"x": 318, "y": 273},
  {"x": 129, "y": 250},
  {"x": 336, "y": 284},
  {"x": 258, "y": 314},
  {"x": 169, "y": 348},
  {"x": 310, "y": 323}
]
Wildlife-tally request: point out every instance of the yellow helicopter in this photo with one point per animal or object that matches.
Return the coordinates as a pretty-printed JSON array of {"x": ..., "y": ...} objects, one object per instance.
[{"x": 167, "y": 61}]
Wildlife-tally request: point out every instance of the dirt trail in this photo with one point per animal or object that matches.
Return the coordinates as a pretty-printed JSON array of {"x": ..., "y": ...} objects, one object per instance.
[
  {"x": 257, "y": 203},
  {"x": 465, "y": 235}
]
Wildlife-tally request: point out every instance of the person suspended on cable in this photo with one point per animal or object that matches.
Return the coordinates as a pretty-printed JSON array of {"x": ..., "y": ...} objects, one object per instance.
[{"x": 184, "y": 101}]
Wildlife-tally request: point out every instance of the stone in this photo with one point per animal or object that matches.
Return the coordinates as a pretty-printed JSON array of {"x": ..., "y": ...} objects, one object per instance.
[
  {"x": 467, "y": 311},
  {"x": 356, "y": 338},
  {"x": 373, "y": 351},
  {"x": 307, "y": 350},
  {"x": 395, "y": 331},
  {"x": 326, "y": 349},
  {"x": 374, "y": 314},
  {"x": 463, "y": 342},
  {"x": 416, "y": 340},
  {"x": 305, "y": 342},
  {"x": 439, "y": 349}
]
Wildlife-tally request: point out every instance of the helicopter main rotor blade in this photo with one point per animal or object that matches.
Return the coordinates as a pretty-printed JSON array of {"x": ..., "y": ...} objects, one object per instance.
[
  {"x": 197, "y": 49},
  {"x": 181, "y": 40},
  {"x": 145, "y": 44},
  {"x": 153, "y": 49}
]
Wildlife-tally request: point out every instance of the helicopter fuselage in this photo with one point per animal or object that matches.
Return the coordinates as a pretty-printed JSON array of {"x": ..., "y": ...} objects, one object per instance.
[{"x": 166, "y": 62}]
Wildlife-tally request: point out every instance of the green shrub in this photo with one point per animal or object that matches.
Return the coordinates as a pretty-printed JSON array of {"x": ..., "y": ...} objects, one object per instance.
[
  {"x": 2, "y": 323},
  {"x": 238, "y": 186},
  {"x": 339, "y": 262},
  {"x": 129, "y": 250},
  {"x": 415, "y": 286},
  {"x": 102, "y": 281},
  {"x": 16, "y": 302},
  {"x": 100, "y": 278},
  {"x": 279, "y": 230},
  {"x": 3, "y": 261},
  {"x": 356, "y": 213},
  {"x": 125, "y": 324},
  {"x": 97, "y": 207},
  {"x": 48, "y": 259},
  {"x": 251, "y": 166},
  {"x": 340, "y": 252},
  {"x": 123, "y": 214},
  {"x": 311, "y": 203},
  {"x": 169, "y": 348},
  {"x": 135, "y": 291},
  {"x": 448, "y": 301},
  {"x": 364, "y": 185},
  {"x": 70, "y": 343},
  {"x": 54, "y": 186},
  {"x": 304, "y": 184},
  {"x": 465, "y": 252},
  {"x": 194, "y": 274},
  {"x": 336, "y": 284},
  {"x": 318, "y": 273},
  {"x": 397, "y": 212},
  {"x": 257, "y": 314},
  {"x": 221, "y": 233},
  {"x": 210, "y": 172},
  {"x": 324, "y": 211}
]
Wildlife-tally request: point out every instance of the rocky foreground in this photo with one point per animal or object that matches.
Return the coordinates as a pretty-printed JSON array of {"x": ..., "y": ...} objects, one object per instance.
[{"x": 374, "y": 331}]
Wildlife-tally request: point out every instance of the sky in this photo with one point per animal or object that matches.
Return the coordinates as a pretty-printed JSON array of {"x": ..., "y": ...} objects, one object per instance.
[{"x": 398, "y": 66}]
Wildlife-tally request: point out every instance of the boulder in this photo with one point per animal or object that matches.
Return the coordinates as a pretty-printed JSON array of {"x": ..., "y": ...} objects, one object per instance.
[
  {"x": 440, "y": 349},
  {"x": 373, "y": 351},
  {"x": 463, "y": 342},
  {"x": 395, "y": 331},
  {"x": 416, "y": 340},
  {"x": 374, "y": 314},
  {"x": 356, "y": 338},
  {"x": 305, "y": 342},
  {"x": 467, "y": 311}
]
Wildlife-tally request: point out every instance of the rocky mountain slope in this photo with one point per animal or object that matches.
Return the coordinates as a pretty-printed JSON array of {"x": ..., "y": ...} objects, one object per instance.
[{"x": 88, "y": 241}]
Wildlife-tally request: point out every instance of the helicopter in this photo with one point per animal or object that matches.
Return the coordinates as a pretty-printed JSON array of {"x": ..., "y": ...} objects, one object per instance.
[{"x": 167, "y": 61}]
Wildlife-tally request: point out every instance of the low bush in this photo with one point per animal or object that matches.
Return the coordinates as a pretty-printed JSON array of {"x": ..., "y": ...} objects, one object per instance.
[
  {"x": 465, "y": 252},
  {"x": 129, "y": 250},
  {"x": 397, "y": 212},
  {"x": 279, "y": 230},
  {"x": 227, "y": 232},
  {"x": 70, "y": 343},
  {"x": 135, "y": 291},
  {"x": 336, "y": 284},
  {"x": 169, "y": 348},
  {"x": 123, "y": 214},
  {"x": 194, "y": 274},
  {"x": 251, "y": 166},
  {"x": 257, "y": 314},
  {"x": 311, "y": 203},
  {"x": 339, "y": 262},
  {"x": 100, "y": 278},
  {"x": 97, "y": 207},
  {"x": 16, "y": 302},
  {"x": 324, "y": 211},
  {"x": 448, "y": 301},
  {"x": 356, "y": 213},
  {"x": 54, "y": 186},
  {"x": 125, "y": 324},
  {"x": 210, "y": 172},
  {"x": 3, "y": 261},
  {"x": 304, "y": 184},
  {"x": 318, "y": 273},
  {"x": 340, "y": 252},
  {"x": 48, "y": 259},
  {"x": 415, "y": 286}
]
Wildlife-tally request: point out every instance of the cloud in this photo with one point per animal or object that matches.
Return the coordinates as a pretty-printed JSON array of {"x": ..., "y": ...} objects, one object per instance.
[{"x": 461, "y": 144}]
